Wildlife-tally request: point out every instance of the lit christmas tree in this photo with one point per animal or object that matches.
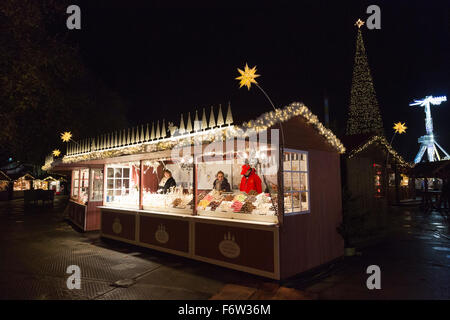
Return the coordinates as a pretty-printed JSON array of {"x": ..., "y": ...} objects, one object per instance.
[{"x": 364, "y": 113}]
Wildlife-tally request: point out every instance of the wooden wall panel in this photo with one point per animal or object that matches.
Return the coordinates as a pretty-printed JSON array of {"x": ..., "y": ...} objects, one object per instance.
[
  {"x": 301, "y": 135},
  {"x": 164, "y": 232},
  {"x": 116, "y": 224},
  {"x": 77, "y": 214},
  {"x": 310, "y": 240},
  {"x": 93, "y": 215},
  {"x": 256, "y": 246}
]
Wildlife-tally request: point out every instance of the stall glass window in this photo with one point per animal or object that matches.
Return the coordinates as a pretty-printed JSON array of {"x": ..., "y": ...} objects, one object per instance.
[
  {"x": 22, "y": 184},
  {"x": 75, "y": 183},
  {"x": 122, "y": 184},
  {"x": 296, "y": 182},
  {"x": 54, "y": 185},
  {"x": 4, "y": 185},
  {"x": 404, "y": 182},
  {"x": 40, "y": 184},
  {"x": 391, "y": 180},
  {"x": 378, "y": 180},
  {"x": 160, "y": 194},
  {"x": 239, "y": 196},
  {"x": 84, "y": 185},
  {"x": 96, "y": 185}
]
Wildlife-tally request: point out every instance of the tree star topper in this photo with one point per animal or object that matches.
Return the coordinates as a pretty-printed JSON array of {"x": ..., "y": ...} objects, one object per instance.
[
  {"x": 66, "y": 136},
  {"x": 56, "y": 153},
  {"x": 400, "y": 127},
  {"x": 247, "y": 76},
  {"x": 359, "y": 23}
]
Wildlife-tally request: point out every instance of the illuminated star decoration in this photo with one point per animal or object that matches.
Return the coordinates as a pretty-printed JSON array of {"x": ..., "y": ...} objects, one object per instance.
[
  {"x": 56, "y": 152},
  {"x": 66, "y": 136},
  {"x": 400, "y": 127},
  {"x": 247, "y": 77},
  {"x": 359, "y": 23}
]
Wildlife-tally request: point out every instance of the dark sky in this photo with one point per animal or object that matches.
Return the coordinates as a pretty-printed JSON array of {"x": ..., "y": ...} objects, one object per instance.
[{"x": 168, "y": 60}]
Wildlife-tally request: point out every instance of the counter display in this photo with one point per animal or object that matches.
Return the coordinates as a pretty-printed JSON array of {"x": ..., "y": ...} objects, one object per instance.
[{"x": 238, "y": 205}]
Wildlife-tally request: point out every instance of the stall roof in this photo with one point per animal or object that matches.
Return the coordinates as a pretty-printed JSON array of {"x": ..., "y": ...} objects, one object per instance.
[
  {"x": 56, "y": 178},
  {"x": 142, "y": 140},
  {"x": 26, "y": 176},
  {"x": 359, "y": 142},
  {"x": 436, "y": 169},
  {"x": 4, "y": 176}
]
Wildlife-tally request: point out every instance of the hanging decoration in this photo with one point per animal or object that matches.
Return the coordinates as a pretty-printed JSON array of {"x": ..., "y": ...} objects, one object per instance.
[{"x": 151, "y": 164}]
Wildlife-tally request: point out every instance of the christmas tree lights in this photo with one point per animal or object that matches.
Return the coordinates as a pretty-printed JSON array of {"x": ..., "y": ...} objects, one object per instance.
[{"x": 364, "y": 113}]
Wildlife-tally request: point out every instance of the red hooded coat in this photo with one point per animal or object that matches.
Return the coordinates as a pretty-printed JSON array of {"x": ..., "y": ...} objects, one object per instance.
[{"x": 253, "y": 182}]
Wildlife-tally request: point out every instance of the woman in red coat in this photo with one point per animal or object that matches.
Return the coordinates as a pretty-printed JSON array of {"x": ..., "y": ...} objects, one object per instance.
[{"x": 250, "y": 180}]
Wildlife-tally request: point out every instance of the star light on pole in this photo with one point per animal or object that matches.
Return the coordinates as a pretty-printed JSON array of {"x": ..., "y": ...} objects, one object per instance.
[
  {"x": 56, "y": 153},
  {"x": 400, "y": 127},
  {"x": 66, "y": 136},
  {"x": 247, "y": 76}
]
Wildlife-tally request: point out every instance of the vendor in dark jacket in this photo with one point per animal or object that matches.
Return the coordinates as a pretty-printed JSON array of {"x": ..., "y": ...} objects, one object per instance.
[
  {"x": 166, "y": 182},
  {"x": 221, "y": 183}
]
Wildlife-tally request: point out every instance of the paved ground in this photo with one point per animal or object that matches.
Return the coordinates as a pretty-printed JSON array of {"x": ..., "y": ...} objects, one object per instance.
[
  {"x": 414, "y": 260},
  {"x": 37, "y": 245}
]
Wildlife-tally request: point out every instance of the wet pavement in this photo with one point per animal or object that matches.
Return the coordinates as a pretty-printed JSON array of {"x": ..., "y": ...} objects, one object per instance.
[
  {"x": 414, "y": 260},
  {"x": 37, "y": 245}
]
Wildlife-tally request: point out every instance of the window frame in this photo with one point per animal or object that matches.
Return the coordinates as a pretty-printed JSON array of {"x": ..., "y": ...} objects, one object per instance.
[
  {"x": 119, "y": 165},
  {"x": 72, "y": 195},
  {"x": 307, "y": 191},
  {"x": 91, "y": 184}
]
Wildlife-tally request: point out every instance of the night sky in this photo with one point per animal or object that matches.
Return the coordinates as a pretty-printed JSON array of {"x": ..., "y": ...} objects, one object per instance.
[{"x": 167, "y": 60}]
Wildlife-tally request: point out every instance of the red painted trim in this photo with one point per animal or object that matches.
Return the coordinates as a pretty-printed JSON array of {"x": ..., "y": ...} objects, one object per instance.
[
  {"x": 195, "y": 195},
  {"x": 141, "y": 185}
]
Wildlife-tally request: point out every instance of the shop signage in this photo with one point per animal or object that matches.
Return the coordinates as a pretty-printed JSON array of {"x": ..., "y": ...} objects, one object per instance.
[
  {"x": 117, "y": 226},
  {"x": 228, "y": 247},
  {"x": 161, "y": 235}
]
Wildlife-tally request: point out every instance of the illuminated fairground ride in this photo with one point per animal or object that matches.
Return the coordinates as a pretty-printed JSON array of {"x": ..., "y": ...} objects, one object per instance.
[{"x": 428, "y": 143}]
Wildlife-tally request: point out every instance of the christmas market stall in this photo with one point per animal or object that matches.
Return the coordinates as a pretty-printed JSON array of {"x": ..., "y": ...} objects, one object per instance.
[
  {"x": 21, "y": 184},
  {"x": 262, "y": 197},
  {"x": 40, "y": 184},
  {"x": 429, "y": 179},
  {"x": 55, "y": 183},
  {"x": 374, "y": 173}
]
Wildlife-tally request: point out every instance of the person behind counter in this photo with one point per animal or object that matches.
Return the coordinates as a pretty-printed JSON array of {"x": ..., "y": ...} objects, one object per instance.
[
  {"x": 166, "y": 182},
  {"x": 221, "y": 183},
  {"x": 250, "y": 180}
]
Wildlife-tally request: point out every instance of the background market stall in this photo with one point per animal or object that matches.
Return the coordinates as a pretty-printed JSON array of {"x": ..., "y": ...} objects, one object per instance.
[
  {"x": 5, "y": 186},
  {"x": 21, "y": 184},
  {"x": 56, "y": 183},
  {"x": 288, "y": 228}
]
